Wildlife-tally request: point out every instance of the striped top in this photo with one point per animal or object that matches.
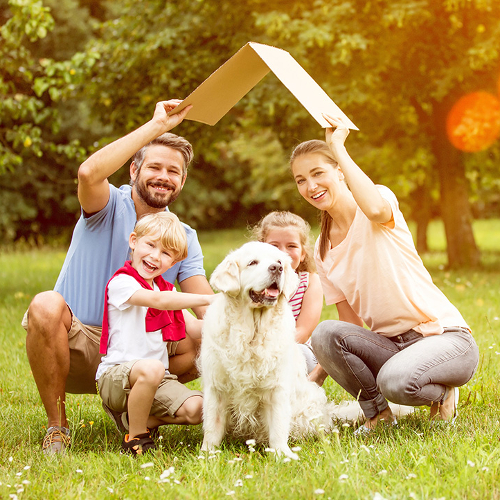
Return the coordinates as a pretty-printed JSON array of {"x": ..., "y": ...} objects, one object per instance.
[{"x": 296, "y": 300}]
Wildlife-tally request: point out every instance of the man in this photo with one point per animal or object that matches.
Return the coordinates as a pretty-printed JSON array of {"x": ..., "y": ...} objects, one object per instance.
[{"x": 64, "y": 325}]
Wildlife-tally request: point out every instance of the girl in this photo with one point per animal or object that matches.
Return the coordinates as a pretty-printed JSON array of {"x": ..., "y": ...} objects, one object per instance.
[
  {"x": 418, "y": 348},
  {"x": 291, "y": 234}
]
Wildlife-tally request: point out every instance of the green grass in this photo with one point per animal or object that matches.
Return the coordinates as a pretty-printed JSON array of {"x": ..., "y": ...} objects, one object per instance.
[{"x": 412, "y": 461}]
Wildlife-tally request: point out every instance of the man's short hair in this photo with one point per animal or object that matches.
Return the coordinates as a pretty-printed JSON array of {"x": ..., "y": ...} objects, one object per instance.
[{"x": 171, "y": 141}]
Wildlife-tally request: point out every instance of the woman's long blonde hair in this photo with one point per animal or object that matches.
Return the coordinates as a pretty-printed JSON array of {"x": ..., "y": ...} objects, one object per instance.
[{"x": 318, "y": 147}]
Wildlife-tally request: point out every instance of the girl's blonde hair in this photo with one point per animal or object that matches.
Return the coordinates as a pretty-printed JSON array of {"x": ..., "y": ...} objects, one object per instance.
[
  {"x": 169, "y": 229},
  {"x": 287, "y": 219},
  {"x": 316, "y": 146}
]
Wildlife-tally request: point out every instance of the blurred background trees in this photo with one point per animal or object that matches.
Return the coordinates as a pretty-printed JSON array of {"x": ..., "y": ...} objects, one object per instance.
[{"x": 78, "y": 74}]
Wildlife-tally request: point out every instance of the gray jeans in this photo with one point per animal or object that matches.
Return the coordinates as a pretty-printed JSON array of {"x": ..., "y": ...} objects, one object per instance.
[{"x": 408, "y": 369}]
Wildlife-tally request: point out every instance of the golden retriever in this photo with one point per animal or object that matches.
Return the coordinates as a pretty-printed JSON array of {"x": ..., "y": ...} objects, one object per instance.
[{"x": 254, "y": 376}]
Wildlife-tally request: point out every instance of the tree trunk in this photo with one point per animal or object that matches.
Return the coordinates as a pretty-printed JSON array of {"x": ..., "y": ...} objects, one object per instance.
[{"x": 455, "y": 207}]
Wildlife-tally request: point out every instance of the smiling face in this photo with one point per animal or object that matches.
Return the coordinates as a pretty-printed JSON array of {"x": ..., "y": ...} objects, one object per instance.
[
  {"x": 160, "y": 178},
  {"x": 149, "y": 257},
  {"x": 287, "y": 239},
  {"x": 318, "y": 181}
]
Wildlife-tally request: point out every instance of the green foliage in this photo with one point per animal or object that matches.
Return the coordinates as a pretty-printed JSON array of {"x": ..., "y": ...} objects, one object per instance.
[{"x": 38, "y": 154}]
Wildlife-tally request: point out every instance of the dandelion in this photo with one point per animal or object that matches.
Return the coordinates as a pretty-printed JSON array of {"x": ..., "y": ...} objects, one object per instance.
[
  {"x": 238, "y": 483},
  {"x": 147, "y": 464},
  {"x": 91, "y": 423},
  {"x": 319, "y": 491},
  {"x": 343, "y": 477},
  {"x": 296, "y": 448}
]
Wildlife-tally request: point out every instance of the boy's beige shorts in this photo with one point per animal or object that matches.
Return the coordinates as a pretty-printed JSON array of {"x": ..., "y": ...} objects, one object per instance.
[{"x": 83, "y": 343}]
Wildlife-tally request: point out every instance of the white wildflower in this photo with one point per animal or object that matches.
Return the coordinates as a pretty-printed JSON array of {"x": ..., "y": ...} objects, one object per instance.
[
  {"x": 26, "y": 481},
  {"x": 249, "y": 476},
  {"x": 296, "y": 448},
  {"x": 147, "y": 464},
  {"x": 270, "y": 450},
  {"x": 110, "y": 489},
  {"x": 232, "y": 492},
  {"x": 79, "y": 471},
  {"x": 383, "y": 472},
  {"x": 378, "y": 496},
  {"x": 176, "y": 481},
  {"x": 147, "y": 478},
  {"x": 485, "y": 469},
  {"x": 238, "y": 483},
  {"x": 470, "y": 463},
  {"x": 411, "y": 476},
  {"x": 27, "y": 467},
  {"x": 250, "y": 442},
  {"x": 343, "y": 477},
  {"x": 287, "y": 459},
  {"x": 319, "y": 491}
]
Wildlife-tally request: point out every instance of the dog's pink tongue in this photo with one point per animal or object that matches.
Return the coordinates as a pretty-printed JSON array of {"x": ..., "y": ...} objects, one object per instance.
[{"x": 271, "y": 292}]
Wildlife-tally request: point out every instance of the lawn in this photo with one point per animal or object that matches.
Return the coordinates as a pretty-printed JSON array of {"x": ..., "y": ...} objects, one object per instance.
[{"x": 415, "y": 460}]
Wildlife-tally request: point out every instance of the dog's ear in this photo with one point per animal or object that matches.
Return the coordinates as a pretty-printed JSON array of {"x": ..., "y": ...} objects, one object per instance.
[
  {"x": 291, "y": 280},
  {"x": 226, "y": 277}
]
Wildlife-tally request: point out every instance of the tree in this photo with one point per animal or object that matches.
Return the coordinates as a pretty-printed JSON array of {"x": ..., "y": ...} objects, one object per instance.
[
  {"x": 39, "y": 147},
  {"x": 400, "y": 66}
]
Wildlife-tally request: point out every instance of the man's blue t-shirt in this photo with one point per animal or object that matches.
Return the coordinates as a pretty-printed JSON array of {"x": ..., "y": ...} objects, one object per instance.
[{"x": 99, "y": 246}]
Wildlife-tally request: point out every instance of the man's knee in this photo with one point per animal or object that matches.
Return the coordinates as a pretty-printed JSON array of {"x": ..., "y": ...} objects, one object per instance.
[{"x": 48, "y": 308}]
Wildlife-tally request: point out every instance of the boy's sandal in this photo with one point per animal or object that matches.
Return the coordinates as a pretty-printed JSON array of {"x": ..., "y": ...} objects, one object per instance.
[
  {"x": 138, "y": 445},
  {"x": 56, "y": 440}
]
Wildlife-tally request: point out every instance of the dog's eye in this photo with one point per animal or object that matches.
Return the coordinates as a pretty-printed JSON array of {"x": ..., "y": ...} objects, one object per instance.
[{"x": 253, "y": 263}]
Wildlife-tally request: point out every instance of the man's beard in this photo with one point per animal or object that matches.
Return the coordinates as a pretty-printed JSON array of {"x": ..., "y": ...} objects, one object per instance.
[{"x": 156, "y": 200}]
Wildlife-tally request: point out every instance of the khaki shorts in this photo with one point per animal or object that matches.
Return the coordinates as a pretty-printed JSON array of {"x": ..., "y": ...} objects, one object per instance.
[
  {"x": 114, "y": 388},
  {"x": 84, "y": 357}
]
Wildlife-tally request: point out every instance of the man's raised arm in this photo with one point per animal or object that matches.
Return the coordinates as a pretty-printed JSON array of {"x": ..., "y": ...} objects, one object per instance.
[{"x": 93, "y": 187}]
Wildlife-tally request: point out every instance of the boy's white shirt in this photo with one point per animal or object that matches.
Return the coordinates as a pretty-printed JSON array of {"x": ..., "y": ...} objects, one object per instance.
[{"x": 128, "y": 339}]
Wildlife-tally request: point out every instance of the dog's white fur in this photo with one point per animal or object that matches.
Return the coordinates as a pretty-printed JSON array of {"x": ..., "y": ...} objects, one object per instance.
[{"x": 254, "y": 376}]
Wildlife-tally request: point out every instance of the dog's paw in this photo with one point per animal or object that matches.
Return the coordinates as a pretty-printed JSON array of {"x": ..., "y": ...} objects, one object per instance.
[{"x": 287, "y": 452}]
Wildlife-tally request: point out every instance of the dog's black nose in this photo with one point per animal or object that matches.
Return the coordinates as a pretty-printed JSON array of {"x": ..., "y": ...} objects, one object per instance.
[{"x": 276, "y": 268}]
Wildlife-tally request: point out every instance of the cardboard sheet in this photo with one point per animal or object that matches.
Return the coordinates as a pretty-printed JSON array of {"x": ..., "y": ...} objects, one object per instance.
[{"x": 237, "y": 76}]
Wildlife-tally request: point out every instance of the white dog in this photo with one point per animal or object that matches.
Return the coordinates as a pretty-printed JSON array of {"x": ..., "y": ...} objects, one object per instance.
[{"x": 254, "y": 376}]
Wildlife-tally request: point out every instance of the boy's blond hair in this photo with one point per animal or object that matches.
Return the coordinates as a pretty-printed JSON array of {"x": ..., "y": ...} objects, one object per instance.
[{"x": 169, "y": 230}]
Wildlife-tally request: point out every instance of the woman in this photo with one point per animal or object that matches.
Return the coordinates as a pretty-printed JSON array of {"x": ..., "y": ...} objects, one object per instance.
[{"x": 418, "y": 348}]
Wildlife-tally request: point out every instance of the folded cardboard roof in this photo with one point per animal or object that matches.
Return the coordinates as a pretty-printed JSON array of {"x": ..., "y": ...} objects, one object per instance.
[{"x": 237, "y": 76}]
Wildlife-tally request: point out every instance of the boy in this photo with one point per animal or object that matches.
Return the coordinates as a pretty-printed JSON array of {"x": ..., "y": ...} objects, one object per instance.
[{"x": 143, "y": 321}]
